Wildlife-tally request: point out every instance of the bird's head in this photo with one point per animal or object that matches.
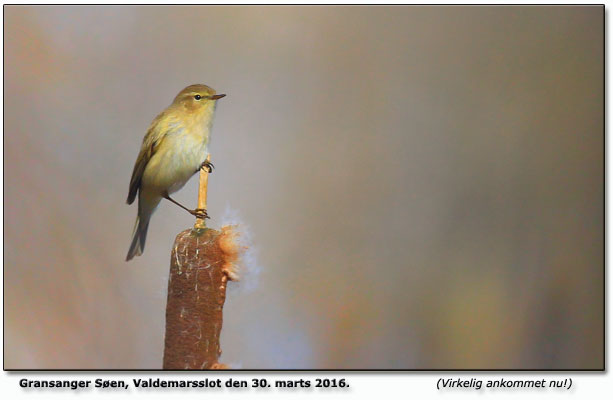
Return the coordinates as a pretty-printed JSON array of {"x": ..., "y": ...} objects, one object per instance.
[{"x": 197, "y": 98}]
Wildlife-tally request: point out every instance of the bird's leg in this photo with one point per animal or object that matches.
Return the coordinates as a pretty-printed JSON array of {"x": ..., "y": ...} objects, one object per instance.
[
  {"x": 198, "y": 212},
  {"x": 208, "y": 165}
]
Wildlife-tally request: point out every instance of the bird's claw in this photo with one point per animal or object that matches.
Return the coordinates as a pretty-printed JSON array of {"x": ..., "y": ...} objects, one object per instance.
[
  {"x": 200, "y": 213},
  {"x": 208, "y": 166}
]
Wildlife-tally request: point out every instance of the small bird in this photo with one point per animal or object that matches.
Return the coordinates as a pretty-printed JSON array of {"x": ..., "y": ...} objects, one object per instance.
[{"x": 173, "y": 150}]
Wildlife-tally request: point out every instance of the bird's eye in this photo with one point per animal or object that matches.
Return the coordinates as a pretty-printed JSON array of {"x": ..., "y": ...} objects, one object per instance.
[{"x": 197, "y": 97}]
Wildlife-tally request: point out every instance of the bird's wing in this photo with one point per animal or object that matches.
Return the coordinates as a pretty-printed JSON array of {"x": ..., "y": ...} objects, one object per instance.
[{"x": 155, "y": 135}]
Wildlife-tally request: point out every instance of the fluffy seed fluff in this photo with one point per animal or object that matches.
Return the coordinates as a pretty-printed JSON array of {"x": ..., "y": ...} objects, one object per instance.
[{"x": 240, "y": 254}]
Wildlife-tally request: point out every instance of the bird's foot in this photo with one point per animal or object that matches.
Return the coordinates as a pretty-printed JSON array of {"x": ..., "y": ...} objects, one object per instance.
[
  {"x": 208, "y": 166},
  {"x": 199, "y": 213}
]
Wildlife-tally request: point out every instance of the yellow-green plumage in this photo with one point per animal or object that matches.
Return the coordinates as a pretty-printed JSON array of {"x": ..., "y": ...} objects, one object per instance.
[{"x": 174, "y": 148}]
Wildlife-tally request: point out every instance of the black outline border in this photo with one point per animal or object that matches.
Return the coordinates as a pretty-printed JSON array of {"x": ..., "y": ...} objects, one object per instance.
[{"x": 398, "y": 371}]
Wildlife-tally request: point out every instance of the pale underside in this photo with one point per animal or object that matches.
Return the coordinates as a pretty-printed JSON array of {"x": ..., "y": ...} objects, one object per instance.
[{"x": 177, "y": 160}]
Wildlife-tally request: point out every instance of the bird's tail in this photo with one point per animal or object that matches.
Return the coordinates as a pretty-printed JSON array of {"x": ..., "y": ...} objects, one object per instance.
[{"x": 138, "y": 238}]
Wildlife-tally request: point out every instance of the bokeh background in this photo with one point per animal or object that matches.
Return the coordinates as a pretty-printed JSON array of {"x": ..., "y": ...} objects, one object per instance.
[{"x": 423, "y": 185}]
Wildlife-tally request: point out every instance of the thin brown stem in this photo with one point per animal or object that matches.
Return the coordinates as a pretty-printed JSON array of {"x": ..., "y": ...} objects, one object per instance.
[{"x": 202, "y": 192}]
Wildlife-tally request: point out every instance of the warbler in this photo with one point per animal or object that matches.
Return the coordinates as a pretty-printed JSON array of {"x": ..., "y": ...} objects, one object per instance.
[{"x": 173, "y": 150}]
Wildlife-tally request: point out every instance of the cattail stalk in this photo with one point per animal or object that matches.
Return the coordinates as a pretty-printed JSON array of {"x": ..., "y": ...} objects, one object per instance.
[{"x": 201, "y": 263}]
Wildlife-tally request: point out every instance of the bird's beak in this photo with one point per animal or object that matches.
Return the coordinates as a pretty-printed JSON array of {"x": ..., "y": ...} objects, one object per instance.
[{"x": 217, "y": 96}]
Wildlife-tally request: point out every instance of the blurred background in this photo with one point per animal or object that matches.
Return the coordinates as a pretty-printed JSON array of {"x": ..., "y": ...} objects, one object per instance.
[{"x": 423, "y": 185}]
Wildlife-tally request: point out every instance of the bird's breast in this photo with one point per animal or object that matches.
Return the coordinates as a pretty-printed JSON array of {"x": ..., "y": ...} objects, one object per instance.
[{"x": 176, "y": 160}]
